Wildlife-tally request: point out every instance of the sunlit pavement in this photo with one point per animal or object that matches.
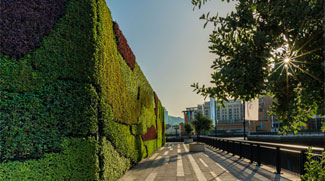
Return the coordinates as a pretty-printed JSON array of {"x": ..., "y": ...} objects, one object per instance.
[{"x": 175, "y": 162}]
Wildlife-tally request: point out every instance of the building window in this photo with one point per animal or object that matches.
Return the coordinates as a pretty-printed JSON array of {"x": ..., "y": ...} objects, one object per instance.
[{"x": 230, "y": 113}]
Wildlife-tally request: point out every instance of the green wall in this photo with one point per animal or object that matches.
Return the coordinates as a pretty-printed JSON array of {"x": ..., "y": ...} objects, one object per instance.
[{"x": 73, "y": 109}]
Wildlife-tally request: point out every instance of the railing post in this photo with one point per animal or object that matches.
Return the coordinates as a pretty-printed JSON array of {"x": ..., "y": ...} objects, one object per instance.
[
  {"x": 258, "y": 154},
  {"x": 226, "y": 146},
  {"x": 278, "y": 160},
  {"x": 233, "y": 145},
  {"x": 251, "y": 151},
  {"x": 218, "y": 144},
  {"x": 302, "y": 162},
  {"x": 240, "y": 154},
  {"x": 222, "y": 145}
]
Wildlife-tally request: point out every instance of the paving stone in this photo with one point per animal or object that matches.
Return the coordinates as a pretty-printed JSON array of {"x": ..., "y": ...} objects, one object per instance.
[
  {"x": 207, "y": 166},
  {"x": 180, "y": 178},
  {"x": 170, "y": 178},
  {"x": 189, "y": 177}
]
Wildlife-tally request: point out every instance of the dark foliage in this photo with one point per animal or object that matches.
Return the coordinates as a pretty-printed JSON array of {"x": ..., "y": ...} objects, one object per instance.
[
  {"x": 150, "y": 135},
  {"x": 24, "y": 23},
  {"x": 188, "y": 129},
  {"x": 123, "y": 47},
  {"x": 201, "y": 123},
  {"x": 156, "y": 102}
]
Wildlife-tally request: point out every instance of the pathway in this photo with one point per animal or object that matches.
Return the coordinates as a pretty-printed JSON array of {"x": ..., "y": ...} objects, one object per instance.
[{"x": 173, "y": 162}]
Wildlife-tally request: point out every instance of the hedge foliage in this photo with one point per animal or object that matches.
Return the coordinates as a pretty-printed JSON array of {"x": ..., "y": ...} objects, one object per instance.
[
  {"x": 34, "y": 122},
  {"x": 120, "y": 135},
  {"x": 75, "y": 93},
  {"x": 24, "y": 23},
  {"x": 77, "y": 161},
  {"x": 113, "y": 164},
  {"x": 123, "y": 47}
]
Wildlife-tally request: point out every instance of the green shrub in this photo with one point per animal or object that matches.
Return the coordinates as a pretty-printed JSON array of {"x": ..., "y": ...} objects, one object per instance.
[
  {"x": 161, "y": 139},
  {"x": 67, "y": 52},
  {"x": 76, "y": 84},
  {"x": 151, "y": 146},
  {"x": 77, "y": 161},
  {"x": 111, "y": 84},
  {"x": 48, "y": 94},
  {"x": 114, "y": 166},
  {"x": 146, "y": 120},
  {"x": 127, "y": 144},
  {"x": 315, "y": 169},
  {"x": 33, "y": 124},
  {"x": 188, "y": 129},
  {"x": 19, "y": 76}
]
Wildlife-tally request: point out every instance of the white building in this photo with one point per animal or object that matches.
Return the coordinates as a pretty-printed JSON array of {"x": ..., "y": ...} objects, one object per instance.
[{"x": 231, "y": 113}]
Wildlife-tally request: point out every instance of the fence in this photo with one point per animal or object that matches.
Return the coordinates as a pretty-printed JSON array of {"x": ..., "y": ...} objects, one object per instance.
[
  {"x": 302, "y": 132},
  {"x": 289, "y": 157}
]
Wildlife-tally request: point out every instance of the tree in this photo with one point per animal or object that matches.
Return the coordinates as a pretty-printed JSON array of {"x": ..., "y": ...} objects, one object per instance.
[
  {"x": 167, "y": 126},
  {"x": 188, "y": 129},
  {"x": 271, "y": 48},
  {"x": 176, "y": 127},
  {"x": 201, "y": 123}
]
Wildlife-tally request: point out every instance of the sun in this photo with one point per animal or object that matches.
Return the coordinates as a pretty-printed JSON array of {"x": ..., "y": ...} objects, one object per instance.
[{"x": 286, "y": 60}]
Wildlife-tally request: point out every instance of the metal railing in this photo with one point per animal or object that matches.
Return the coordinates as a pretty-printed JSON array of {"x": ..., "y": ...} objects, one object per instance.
[
  {"x": 302, "y": 132},
  {"x": 282, "y": 156}
]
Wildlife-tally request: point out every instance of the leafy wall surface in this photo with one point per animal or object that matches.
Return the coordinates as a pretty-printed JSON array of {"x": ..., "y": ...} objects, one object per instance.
[
  {"x": 24, "y": 23},
  {"x": 72, "y": 108}
]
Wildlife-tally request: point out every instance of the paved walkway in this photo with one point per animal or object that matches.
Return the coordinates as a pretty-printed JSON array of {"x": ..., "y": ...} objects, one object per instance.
[{"x": 173, "y": 162}]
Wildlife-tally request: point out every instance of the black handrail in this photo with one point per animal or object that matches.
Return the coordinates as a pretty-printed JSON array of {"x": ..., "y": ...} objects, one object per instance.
[
  {"x": 290, "y": 157},
  {"x": 284, "y": 146}
]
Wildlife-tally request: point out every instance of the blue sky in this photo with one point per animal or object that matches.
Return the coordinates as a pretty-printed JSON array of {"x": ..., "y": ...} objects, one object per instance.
[{"x": 170, "y": 45}]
